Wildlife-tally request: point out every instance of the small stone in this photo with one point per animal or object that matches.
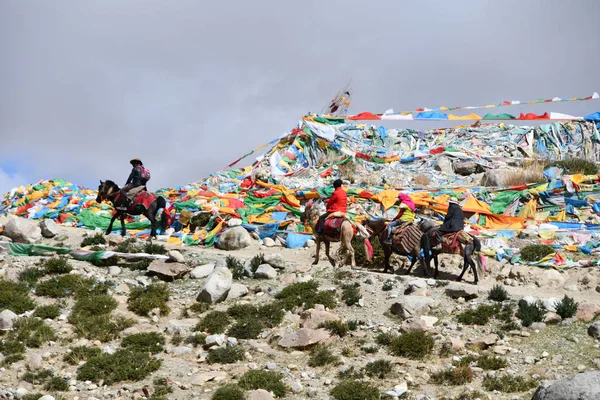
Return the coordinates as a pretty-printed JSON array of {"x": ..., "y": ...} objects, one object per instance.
[
  {"x": 529, "y": 360},
  {"x": 202, "y": 271},
  {"x": 545, "y": 354},
  {"x": 265, "y": 271},
  {"x": 271, "y": 366},
  {"x": 466, "y": 292},
  {"x": 304, "y": 337},
  {"x": 309, "y": 243},
  {"x": 21, "y": 392},
  {"x": 7, "y": 318},
  {"x": 268, "y": 242},
  {"x": 276, "y": 261},
  {"x": 538, "y": 326},
  {"x": 181, "y": 350},
  {"x": 594, "y": 330},
  {"x": 219, "y": 340},
  {"x": 260, "y": 394},
  {"x": 46, "y": 397},
  {"x": 49, "y": 228},
  {"x": 35, "y": 361},
  {"x": 297, "y": 387},
  {"x": 114, "y": 270},
  {"x": 502, "y": 350},
  {"x": 176, "y": 256},
  {"x": 167, "y": 271},
  {"x": 237, "y": 290}
]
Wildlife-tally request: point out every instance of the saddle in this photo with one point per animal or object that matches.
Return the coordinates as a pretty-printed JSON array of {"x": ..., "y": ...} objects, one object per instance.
[
  {"x": 405, "y": 238},
  {"x": 141, "y": 201},
  {"x": 453, "y": 242},
  {"x": 332, "y": 227}
]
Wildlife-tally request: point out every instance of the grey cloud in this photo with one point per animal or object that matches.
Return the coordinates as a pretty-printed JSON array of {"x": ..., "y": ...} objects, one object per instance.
[{"x": 190, "y": 86}]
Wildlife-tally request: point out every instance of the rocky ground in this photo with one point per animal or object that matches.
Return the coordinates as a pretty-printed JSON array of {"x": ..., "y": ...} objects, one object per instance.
[{"x": 380, "y": 304}]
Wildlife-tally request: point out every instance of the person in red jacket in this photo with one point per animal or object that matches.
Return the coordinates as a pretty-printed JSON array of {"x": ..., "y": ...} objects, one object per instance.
[{"x": 337, "y": 202}]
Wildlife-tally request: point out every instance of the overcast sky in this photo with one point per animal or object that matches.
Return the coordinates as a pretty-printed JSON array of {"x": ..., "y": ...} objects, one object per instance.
[{"x": 189, "y": 86}]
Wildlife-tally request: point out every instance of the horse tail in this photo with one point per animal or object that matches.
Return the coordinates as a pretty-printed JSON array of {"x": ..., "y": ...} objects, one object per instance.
[
  {"x": 480, "y": 259},
  {"x": 368, "y": 249},
  {"x": 477, "y": 243}
]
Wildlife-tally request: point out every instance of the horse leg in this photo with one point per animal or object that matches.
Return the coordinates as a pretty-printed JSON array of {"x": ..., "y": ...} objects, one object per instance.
[
  {"x": 109, "y": 229},
  {"x": 471, "y": 262},
  {"x": 412, "y": 263},
  {"x": 122, "y": 224},
  {"x": 153, "y": 224},
  {"x": 387, "y": 253},
  {"x": 347, "y": 241},
  {"x": 327, "y": 247},
  {"x": 434, "y": 254},
  {"x": 318, "y": 250}
]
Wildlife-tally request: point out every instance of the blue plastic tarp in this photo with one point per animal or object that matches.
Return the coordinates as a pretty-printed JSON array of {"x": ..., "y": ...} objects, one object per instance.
[
  {"x": 431, "y": 115},
  {"x": 296, "y": 240}
]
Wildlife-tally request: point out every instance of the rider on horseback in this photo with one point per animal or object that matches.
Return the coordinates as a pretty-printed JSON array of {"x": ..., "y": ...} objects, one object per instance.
[
  {"x": 336, "y": 203},
  {"x": 453, "y": 222},
  {"x": 137, "y": 180},
  {"x": 404, "y": 217}
]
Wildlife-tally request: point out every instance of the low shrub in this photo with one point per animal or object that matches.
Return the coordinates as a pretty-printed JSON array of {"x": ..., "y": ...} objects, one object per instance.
[
  {"x": 37, "y": 378},
  {"x": 530, "y": 313},
  {"x": 379, "y": 369},
  {"x": 14, "y": 296},
  {"x": 162, "y": 389},
  {"x": 498, "y": 293},
  {"x": 92, "y": 319},
  {"x": 214, "y": 322},
  {"x": 153, "y": 248},
  {"x": 267, "y": 380},
  {"x": 453, "y": 376},
  {"x": 152, "y": 342},
  {"x": 350, "y": 373},
  {"x": 225, "y": 355},
  {"x": 567, "y": 307},
  {"x": 129, "y": 245},
  {"x": 57, "y": 266},
  {"x": 31, "y": 275},
  {"x": 57, "y": 384},
  {"x": 63, "y": 286},
  {"x": 229, "y": 392},
  {"x": 370, "y": 349},
  {"x": 479, "y": 316},
  {"x": 51, "y": 311},
  {"x": 508, "y": 383},
  {"x": 12, "y": 349},
  {"x": 247, "y": 328},
  {"x": 352, "y": 389},
  {"x": 491, "y": 362},
  {"x": 142, "y": 300},
  {"x": 573, "y": 166},
  {"x": 33, "y": 332},
  {"x": 197, "y": 339},
  {"x": 235, "y": 266},
  {"x": 338, "y": 328},
  {"x": 415, "y": 345},
  {"x": 351, "y": 293},
  {"x": 321, "y": 356},
  {"x": 122, "y": 365},
  {"x": 199, "y": 307},
  {"x": 257, "y": 261},
  {"x": 97, "y": 239},
  {"x": 535, "y": 252},
  {"x": 81, "y": 353},
  {"x": 305, "y": 294}
]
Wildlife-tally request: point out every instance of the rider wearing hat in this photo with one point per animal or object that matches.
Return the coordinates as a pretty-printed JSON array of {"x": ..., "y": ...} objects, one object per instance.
[
  {"x": 454, "y": 220},
  {"x": 137, "y": 180},
  {"x": 405, "y": 216}
]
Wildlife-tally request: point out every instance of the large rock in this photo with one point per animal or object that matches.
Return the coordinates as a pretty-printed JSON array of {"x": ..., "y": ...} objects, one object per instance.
[
  {"x": 485, "y": 341},
  {"x": 412, "y": 306},
  {"x": 466, "y": 292},
  {"x": 587, "y": 311},
  {"x": 167, "y": 271},
  {"x": 260, "y": 394},
  {"x": 466, "y": 168},
  {"x": 496, "y": 177},
  {"x": 49, "y": 228},
  {"x": 312, "y": 318},
  {"x": 7, "y": 318},
  {"x": 265, "y": 271},
  {"x": 444, "y": 164},
  {"x": 584, "y": 386},
  {"x": 235, "y": 238},
  {"x": 594, "y": 330},
  {"x": 551, "y": 278},
  {"x": 202, "y": 271},
  {"x": 176, "y": 256},
  {"x": 304, "y": 337},
  {"x": 22, "y": 231},
  {"x": 217, "y": 285},
  {"x": 237, "y": 290},
  {"x": 275, "y": 261}
]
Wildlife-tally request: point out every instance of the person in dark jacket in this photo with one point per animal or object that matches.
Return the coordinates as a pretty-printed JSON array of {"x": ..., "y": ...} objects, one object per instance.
[
  {"x": 336, "y": 203},
  {"x": 454, "y": 220},
  {"x": 136, "y": 181}
]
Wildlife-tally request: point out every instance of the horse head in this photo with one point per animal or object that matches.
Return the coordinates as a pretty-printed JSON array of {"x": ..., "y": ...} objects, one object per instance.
[{"x": 105, "y": 190}]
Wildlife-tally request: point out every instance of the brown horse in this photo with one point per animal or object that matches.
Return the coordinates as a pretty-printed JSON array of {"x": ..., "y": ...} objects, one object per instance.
[
  {"x": 312, "y": 212},
  {"x": 378, "y": 227}
]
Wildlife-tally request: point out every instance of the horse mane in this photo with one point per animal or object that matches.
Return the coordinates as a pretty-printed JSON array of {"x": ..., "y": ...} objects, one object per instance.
[{"x": 427, "y": 224}]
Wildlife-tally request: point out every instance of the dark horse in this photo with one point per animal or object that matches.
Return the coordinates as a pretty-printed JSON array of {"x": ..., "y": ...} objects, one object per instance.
[
  {"x": 467, "y": 251},
  {"x": 378, "y": 227},
  {"x": 108, "y": 190}
]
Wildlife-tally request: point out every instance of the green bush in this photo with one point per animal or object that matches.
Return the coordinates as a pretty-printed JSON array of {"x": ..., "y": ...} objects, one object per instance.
[
  {"x": 12, "y": 349},
  {"x": 498, "y": 293},
  {"x": 567, "y": 307},
  {"x": 68, "y": 285},
  {"x": 257, "y": 261},
  {"x": 225, "y": 355},
  {"x": 31, "y": 275},
  {"x": 384, "y": 339},
  {"x": 151, "y": 248},
  {"x": 248, "y": 328},
  {"x": 574, "y": 166},
  {"x": 266, "y": 380},
  {"x": 37, "y": 378},
  {"x": 152, "y": 342},
  {"x": 530, "y": 313},
  {"x": 235, "y": 266},
  {"x": 229, "y": 392},
  {"x": 142, "y": 300},
  {"x": 414, "y": 345},
  {"x": 370, "y": 349},
  {"x": 14, "y": 296},
  {"x": 320, "y": 356},
  {"x": 81, "y": 353},
  {"x": 214, "y": 322},
  {"x": 336, "y": 327},
  {"x": 57, "y": 266},
  {"x": 351, "y": 293},
  {"x": 305, "y": 294},
  {"x": 33, "y": 332},
  {"x": 453, "y": 376},
  {"x": 361, "y": 257},
  {"x": 57, "y": 384},
  {"x": 480, "y": 316},
  {"x": 199, "y": 307},
  {"x": 161, "y": 389},
  {"x": 241, "y": 311},
  {"x": 535, "y": 252},
  {"x": 129, "y": 245},
  {"x": 491, "y": 362},
  {"x": 350, "y": 373},
  {"x": 122, "y": 365},
  {"x": 379, "y": 369},
  {"x": 51, "y": 311},
  {"x": 92, "y": 319},
  {"x": 508, "y": 383},
  {"x": 355, "y": 390},
  {"x": 97, "y": 239},
  {"x": 197, "y": 339}
]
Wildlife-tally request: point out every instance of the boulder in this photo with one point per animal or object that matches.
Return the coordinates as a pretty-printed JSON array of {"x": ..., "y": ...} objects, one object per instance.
[
  {"x": 587, "y": 311},
  {"x": 412, "y": 306},
  {"x": 7, "y": 239},
  {"x": 35, "y": 362},
  {"x": 485, "y": 341},
  {"x": 114, "y": 270},
  {"x": 417, "y": 287},
  {"x": 550, "y": 304},
  {"x": 237, "y": 290},
  {"x": 265, "y": 271},
  {"x": 167, "y": 271},
  {"x": 235, "y": 238},
  {"x": 312, "y": 318},
  {"x": 456, "y": 344},
  {"x": 22, "y": 230},
  {"x": 7, "y": 319},
  {"x": 413, "y": 324},
  {"x": 114, "y": 239},
  {"x": 304, "y": 337},
  {"x": 496, "y": 177},
  {"x": 275, "y": 261},
  {"x": 217, "y": 285},
  {"x": 444, "y": 164},
  {"x": 466, "y": 168},
  {"x": 208, "y": 376},
  {"x": 176, "y": 256},
  {"x": 260, "y": 394},
  {"x": 268, "y": 242},
  {"x": 583, "y": 386},
  {"x": 551, "y": 278},
  {"x": 464, "y": 291},
  {"x": 594, "y": 330},
  {"x": 202, "y": 271},
  {"x": 49, "y": 228}
]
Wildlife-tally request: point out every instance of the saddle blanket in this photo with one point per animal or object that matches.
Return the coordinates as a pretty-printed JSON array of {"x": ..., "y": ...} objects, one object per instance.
[
  {"x": 453, "y": 242},
  {"x": 332, "y": 227},
  {"x": 406, "y": 238}
]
